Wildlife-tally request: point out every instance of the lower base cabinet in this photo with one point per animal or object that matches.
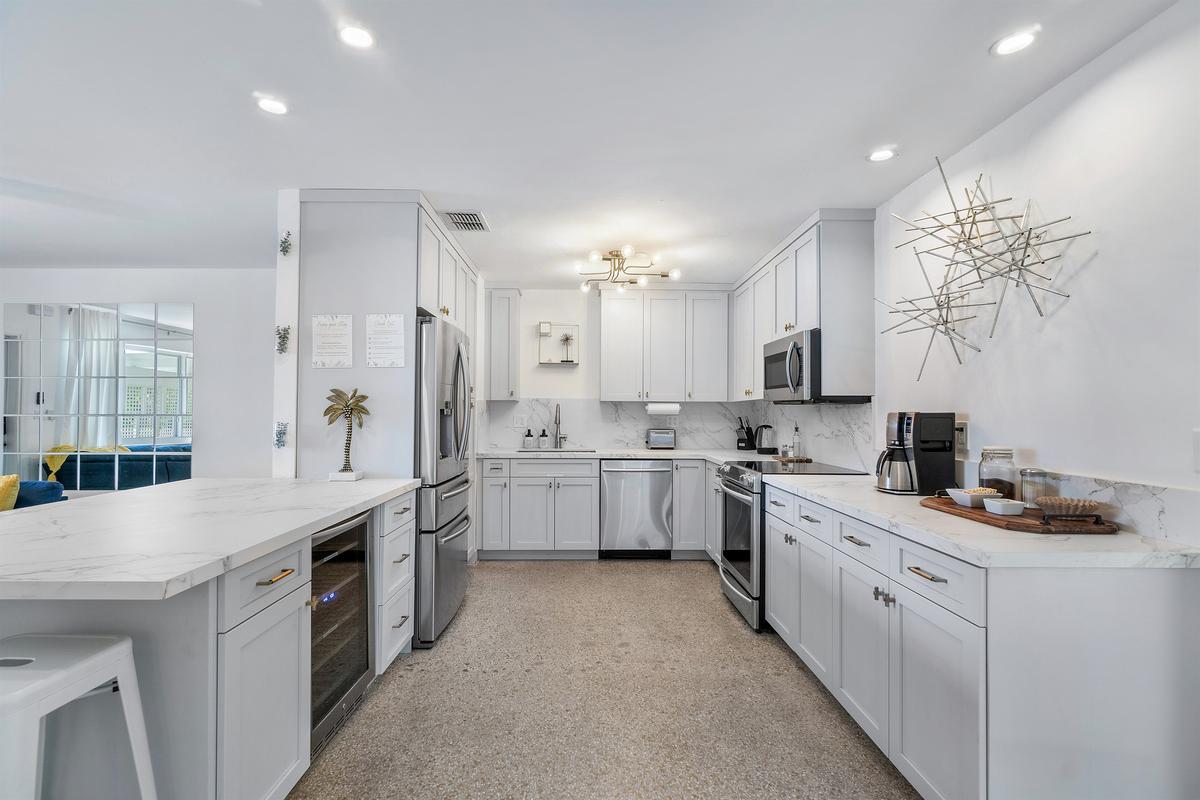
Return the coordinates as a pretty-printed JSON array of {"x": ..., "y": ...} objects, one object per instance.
[
  {"x": 688, "y": 518},
  {"x": 782, "y": 606},
  {"x": 576, "y": 514},
  {"x": 531, "y": 514},
  {"x": 860, "y": 639},
  {"x": 494, "y": 502},
  {"x": 264, "y": 701},
  {"x": 550, "y": 511},
  {"x": 814, "y": 635}
]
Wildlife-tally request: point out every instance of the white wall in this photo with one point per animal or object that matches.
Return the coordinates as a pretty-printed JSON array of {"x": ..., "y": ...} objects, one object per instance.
[
  {"x": 1108, "y": 383},
  {"x": 234, "y": 338},
  {"x": 564, "y": 306}
]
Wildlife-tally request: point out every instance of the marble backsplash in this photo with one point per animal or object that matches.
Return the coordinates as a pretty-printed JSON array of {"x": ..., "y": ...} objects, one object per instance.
[{"x": 835, "y": 434}]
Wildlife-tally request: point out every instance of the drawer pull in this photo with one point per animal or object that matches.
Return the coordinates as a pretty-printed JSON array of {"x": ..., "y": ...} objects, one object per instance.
[
  {"x": 854, "y": 540},
  {"x": 777, "y": 503},
  {"x": 807, "y": 518},
  {"x": 400, "y": 511},
  {"x": 401, "y": 559},
  {"x": 272, "y": 581},
  {"x": 929, "y": 576},
  {"x": 403, "y": 620}
]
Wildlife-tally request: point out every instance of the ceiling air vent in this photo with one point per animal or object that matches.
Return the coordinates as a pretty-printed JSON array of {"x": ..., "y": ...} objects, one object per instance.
[{"x": 467, "y": 220}]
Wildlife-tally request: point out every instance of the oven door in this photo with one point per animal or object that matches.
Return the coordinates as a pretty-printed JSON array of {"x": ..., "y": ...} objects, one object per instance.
[
  {"x": 787, "y": 369},
  {"x": 741, "y": 537}
]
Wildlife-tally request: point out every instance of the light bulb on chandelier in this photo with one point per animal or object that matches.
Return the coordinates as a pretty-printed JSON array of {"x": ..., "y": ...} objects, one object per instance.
[{"x": 620, "y": 272}]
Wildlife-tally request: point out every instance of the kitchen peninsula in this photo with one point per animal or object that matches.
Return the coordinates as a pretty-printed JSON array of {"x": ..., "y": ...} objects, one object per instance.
[{"x": 211, "y": 579}]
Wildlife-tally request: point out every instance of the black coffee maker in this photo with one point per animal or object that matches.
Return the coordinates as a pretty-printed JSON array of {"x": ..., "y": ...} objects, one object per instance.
[{"x": 919, "y": 458}]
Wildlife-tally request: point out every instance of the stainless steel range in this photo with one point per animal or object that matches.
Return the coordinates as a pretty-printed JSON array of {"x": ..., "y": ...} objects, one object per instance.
[{"x": 742, "y": 549}]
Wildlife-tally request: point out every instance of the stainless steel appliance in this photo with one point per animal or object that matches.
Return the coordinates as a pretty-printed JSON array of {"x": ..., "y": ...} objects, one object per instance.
[
  {"x": 635, "y": 509},
  {"x": 742, "y": 574},
  {"x": 341, "y": 624},
  {"x": 803, "y": 368},
  {"x": 443, "y": 412},
  {"x": 919, "y": 458},
  {"x": 660, "y": 438}
]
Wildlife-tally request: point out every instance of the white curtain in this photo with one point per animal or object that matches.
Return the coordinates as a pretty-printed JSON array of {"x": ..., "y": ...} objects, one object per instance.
[{"x": 94, "y": 401}]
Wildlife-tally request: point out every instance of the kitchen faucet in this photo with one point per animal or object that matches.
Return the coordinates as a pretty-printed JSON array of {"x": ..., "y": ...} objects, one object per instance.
[{"x": 559, "y": 438}]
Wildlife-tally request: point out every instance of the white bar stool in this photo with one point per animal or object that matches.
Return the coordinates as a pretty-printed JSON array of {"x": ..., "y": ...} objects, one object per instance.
[{"x": 41, "y": 673}]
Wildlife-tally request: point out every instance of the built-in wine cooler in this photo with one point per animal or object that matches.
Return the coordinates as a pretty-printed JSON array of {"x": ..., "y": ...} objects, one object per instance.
[{"x": 341, "y": 624}]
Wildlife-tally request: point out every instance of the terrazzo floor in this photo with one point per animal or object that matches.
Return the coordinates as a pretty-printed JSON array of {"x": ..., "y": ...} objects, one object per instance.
[{"x": 600, "y": 679}]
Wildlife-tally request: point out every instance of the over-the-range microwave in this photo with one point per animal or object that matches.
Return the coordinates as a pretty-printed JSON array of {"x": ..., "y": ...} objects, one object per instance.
[{"x": 795, "y": 370}]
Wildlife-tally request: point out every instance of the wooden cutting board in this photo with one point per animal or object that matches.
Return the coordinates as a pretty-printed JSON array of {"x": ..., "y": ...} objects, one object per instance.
[{"x": 1029, "y": 522}]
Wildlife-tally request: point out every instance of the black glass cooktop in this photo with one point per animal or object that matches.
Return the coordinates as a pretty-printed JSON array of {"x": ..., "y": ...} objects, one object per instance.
[{"x": 774, "y": 467}]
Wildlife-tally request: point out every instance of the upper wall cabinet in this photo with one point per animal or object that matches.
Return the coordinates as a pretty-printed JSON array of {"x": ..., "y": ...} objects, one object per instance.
[
  {"x": 504, "y": 344},
  {"x": 445, "y": 284},
  {"x": 823, "y": 277},
  {"x": 666, "y": 346}
]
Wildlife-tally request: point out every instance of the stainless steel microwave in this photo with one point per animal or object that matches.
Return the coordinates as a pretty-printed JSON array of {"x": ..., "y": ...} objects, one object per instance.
[{"x": 795, "y": 371}]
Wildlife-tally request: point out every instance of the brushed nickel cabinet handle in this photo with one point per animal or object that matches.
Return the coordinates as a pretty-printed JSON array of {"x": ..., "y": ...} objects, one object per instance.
[
  {"x": 401, "y": 559},
  {"x": 400, "y": 511},
  {"x": 777, "y": 503},
  {"x": 854, "y": 540},
  {"x": 276, "y": 579},
  {"x": 929, "y": 576},
  {"x": 403, "y": 620},
  {"x": 807, "y": 518}
]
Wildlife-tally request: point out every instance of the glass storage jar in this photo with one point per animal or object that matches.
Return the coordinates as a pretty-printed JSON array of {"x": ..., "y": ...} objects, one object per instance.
[
  {"x": 1035, "y": 483},
  {"x": 997, "y": 471}
]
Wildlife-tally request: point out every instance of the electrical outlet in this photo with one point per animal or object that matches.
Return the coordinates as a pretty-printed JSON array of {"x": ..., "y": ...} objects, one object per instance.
[
  {"x": 962, "y": 449},
  {"x": 521, "y": 421}
]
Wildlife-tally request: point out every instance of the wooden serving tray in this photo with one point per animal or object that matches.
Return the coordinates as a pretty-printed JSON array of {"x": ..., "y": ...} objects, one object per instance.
[{"x": 1029, "y": 522}]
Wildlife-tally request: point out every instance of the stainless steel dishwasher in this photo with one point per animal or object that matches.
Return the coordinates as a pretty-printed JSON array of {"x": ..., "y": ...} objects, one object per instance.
[{"x": 635, "y": 509}]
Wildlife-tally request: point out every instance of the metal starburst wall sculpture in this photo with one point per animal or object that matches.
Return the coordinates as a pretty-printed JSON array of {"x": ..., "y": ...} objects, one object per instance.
[{"x": 978, "y": 249}]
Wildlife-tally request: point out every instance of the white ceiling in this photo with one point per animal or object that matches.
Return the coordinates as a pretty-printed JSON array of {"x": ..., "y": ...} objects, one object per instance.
[{"x": 704, "y": 130}]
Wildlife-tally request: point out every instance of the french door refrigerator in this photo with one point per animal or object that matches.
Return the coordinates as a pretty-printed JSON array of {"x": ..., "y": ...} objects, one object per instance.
[{"x": 443, "y": 413}]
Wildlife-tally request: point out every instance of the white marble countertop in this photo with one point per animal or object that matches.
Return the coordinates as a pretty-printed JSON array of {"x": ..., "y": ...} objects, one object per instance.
[
  {"x": 976, "y": 543},
  {"x": 155, "y": 542},
  {"x": 713, "y": 456}
]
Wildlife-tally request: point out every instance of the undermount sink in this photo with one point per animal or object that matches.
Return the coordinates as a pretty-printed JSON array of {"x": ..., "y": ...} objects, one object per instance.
[{"x": 559, "y": 450}]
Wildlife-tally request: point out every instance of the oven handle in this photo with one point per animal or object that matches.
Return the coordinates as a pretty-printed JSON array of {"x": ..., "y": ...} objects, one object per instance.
[
  {"x": 725, "y": 580},
  {"x": 748, "y": 499}
]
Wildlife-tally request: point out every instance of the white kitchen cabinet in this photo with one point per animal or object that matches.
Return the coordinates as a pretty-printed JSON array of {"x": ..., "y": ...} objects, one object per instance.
[
  {"x": 784, "y": 270},
  {"x": 713, "y": 513},
  {"x": 814, "y": 635},
  {"x": 531, "y": 513},
  {"x": 621, "y": 353},
  {"x": 763, "y": 288},
  {"x": 664, "y": 348},
  {"x": 467, "y": 301},
  {"x": 860, "y": 641},
  {"x": 576, "y": 514},
  {"x": 937, "y": 699},
  {"x": 742, "y": 359},
  {"x": 688, "y": 506},
  {"x": 494, "y": 503},
  {"x": 448, "y": 280},
  {"x": 264, "y": 701},
  {"x": 429, "y": 258},
  {"x": 504, "y": 344},
  {"x": 807, "y": 297},
  {"x": 707, "y": 346},
  {"x": 782, "y": 574}
]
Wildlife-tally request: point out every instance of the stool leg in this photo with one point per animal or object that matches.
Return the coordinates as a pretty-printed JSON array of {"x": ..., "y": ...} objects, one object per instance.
[
  {"x": 131, "y": 702},
  {"x": 21, "y": 755}
]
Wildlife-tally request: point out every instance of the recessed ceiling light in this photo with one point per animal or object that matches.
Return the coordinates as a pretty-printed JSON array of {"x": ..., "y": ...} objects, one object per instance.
[
  {"x": 882, "y": 154},
  {"x": 356, "y": 37},
  {"x": 1015, "y": 42},
  {"x": 272, "y": 105}
]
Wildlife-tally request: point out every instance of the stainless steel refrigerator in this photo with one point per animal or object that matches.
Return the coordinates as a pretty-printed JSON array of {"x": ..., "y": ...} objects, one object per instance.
[{"x": 443, "y": 412}]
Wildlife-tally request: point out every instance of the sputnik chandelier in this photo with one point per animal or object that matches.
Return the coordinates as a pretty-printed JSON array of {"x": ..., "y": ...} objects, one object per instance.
[
  {"x": 620, "y": 271},
  {"x": 978, "y": 246}
]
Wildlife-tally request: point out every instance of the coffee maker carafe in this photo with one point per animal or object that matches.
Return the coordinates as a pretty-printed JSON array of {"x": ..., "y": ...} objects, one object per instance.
[{"x": 919, "y": 458}]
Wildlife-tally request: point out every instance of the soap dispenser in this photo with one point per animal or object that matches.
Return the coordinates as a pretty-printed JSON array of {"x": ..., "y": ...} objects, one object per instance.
[
  {"x": 527, "y": 442},
  {"x": 543, "y": 441}
]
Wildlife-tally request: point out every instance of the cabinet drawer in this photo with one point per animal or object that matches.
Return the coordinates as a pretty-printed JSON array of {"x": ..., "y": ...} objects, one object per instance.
[
  {"x": 396, "y": 620},
  {"x": 495, "y": 468},
  {"x": 396, "y": 561},
  {"x": 954, "y": 585},
  {"x": 554, "y": 467},
  {"x": 814, "y": 519},
  {"x": 780, "y": 504},
  {"x": 862, "y": 542},
  {"x": 250, "y": 588},
  {"x": 398, "y": 512}
]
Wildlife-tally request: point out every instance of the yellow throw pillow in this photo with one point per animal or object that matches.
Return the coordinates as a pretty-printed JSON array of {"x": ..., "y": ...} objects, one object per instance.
[{"x": 9, "y": 486}]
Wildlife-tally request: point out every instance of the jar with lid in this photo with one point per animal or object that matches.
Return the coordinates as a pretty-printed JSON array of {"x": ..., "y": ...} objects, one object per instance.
[
  {"x": 997, "y": 471},
  {"x": 1035, "y": 483}
]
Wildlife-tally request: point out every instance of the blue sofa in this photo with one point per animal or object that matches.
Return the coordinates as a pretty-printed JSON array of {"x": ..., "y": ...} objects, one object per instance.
[
  {"x": 38, "y": 493},
  {"x": 138, "y": 467}
]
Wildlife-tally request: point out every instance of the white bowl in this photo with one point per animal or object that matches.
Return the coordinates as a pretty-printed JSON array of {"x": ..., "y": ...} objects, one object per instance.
[
  {"x": 965, "y": 498},
  {"x": 1003, "y": 506}
]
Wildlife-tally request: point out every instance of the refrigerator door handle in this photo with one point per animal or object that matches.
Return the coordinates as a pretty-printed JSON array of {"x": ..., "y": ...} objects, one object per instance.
[{"x": 463, "y": 410}]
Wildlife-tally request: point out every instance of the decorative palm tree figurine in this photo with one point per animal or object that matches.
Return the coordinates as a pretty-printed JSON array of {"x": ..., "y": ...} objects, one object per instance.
[{"x": 350, "y": 407}]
